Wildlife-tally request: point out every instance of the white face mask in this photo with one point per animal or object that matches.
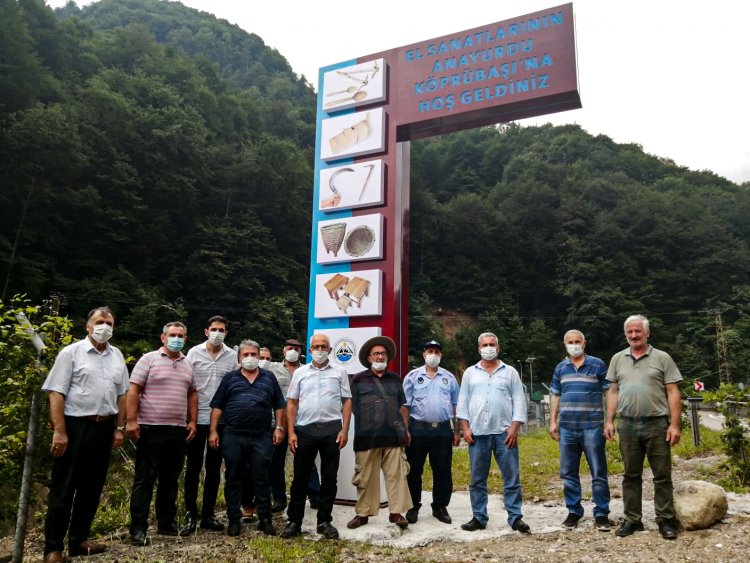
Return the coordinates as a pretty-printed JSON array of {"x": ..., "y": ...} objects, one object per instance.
[
  {"x": 574, "y": 350},
  {"x": 320, "y": 356},
  {"x": 379, "y": 366},
  {"x": 250, "y": 363},
  {"x": 488, "y": 352},
  {"x": 291, "y": 356},
  {"x": 215, "y": 337},
  {"x": 101, "y": 333},
  {"x": 432, "y": 360},
  {"x": 262, "y": 363}
]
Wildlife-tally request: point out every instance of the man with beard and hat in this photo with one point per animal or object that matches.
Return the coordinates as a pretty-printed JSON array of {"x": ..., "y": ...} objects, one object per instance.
[{"x": 378, "y": 404}]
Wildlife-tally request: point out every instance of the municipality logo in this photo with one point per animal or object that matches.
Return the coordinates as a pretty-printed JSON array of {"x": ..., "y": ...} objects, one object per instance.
[{"x": 345, "y": 350}]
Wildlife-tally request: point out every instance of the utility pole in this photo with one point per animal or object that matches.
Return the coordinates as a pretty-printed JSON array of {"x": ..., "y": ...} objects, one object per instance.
[
  {"x": 530, "y": 360},
  {"x": 721, "y": 344}
]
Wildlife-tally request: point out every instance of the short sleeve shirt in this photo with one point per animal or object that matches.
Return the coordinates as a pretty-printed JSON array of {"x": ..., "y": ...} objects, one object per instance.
[
  {"x": 164, "y": 383},
  {"x": 641, "y": 383},
  {"x": 247, "y": 406},
  {"x": 91, "y": 381},
  {"x": 320, "y": 392},
  {"x": 580, "y": 390}
]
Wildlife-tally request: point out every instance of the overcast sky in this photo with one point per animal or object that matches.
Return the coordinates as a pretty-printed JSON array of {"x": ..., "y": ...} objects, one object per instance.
[{"x": 669, "y": 75}]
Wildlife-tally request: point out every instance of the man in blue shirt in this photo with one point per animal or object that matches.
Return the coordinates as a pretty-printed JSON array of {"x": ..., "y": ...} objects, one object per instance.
[
  {"x": 431, "y": 396},
  {"x": 492, "y": 407},
  {"x": 246, "y": 397},
  {"x": 576, "y": 395},
  {"x": 319, "y": 409}
]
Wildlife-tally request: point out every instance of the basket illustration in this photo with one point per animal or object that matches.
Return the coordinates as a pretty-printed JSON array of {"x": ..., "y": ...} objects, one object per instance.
[
  {"x": 333, "y": 236},
  {"x": 359, "y": 241}
]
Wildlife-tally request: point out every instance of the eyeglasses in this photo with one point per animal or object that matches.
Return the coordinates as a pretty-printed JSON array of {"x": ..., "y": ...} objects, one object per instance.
[{"x": 379, "y": 354}]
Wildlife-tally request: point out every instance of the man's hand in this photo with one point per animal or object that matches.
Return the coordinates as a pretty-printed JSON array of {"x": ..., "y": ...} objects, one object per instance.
[
  {"x": 554, "y": 431},
  {"x": 133, "y": 430},
  {"x": 511, "y": 437},
  {"x": 192, "y": 428},
  {"x": 293, "y": 441},
  {"x": 59, "y": 443},
  {"x": 117, "y": 439},
  {"x": 213, "y": 439},
  {"x": 342, "y": 438},
  {"x": 609, "y": 431},
  {"x": 673, "y": 434},
  {"x": 278, "y": 437},
  {"x": 469, "y": 436},
  {"x": 456, "y": 440}
]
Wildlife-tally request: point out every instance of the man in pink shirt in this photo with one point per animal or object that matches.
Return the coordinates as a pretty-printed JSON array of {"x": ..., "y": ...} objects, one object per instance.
[{"x": 162, "y": 394}]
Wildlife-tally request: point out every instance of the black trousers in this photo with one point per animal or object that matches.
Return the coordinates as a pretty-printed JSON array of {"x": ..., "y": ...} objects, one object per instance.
[
  {"x": 278, "y": 472},
  {"x": 241, "y": 451},
  {"x": 314, "y": 439},
  {"x": 437, "y": 443},
  {"x": 77, "y": 481},
  {"x": 160, "y": 455},
  {"x": 198, "y": 455}
]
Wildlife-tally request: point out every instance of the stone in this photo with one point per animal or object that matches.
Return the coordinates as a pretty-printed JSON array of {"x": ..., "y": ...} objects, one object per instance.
[{"x": 699, "y": 504}]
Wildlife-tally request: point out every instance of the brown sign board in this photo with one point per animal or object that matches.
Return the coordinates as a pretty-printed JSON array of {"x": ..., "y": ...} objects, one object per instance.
[{"x": 512, "y": 69}]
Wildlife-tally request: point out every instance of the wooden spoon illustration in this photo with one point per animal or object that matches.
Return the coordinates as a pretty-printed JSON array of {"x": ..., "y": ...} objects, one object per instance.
[
  {"x": 349, "y": 90},
  {"x": 357, "y": 97}
]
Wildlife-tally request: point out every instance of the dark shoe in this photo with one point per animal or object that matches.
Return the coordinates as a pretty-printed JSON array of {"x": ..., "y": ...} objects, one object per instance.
[
  {"x": 400, "y": 521},
  {"x": 473, "y": 525},
  {"x": 266, "y": 526},
  {"x": 328, "y": 531},
  {"x": 211, "y": 524},
  {"x": 628, "y": 528},
  {"x": 602, "y": 523},
  {"x": 441, "y": 513},
  {"x": 292, "y": 529},
  {"x": 571, "y": 521},
  {"x": 412, "y": 515},
  {"x": 189, "y": 526},
  {"x": 521, "y": 526},
  {"x": 172, "y": 530},
  {"x": 234, "y": 528},
  {"x": 139, "y": 538},
  {"x": 54, "y": 557},
  {"x": 278, "y": 507},
  {"x": 86, "y": 548},
  {"x": 667, "y": 530},
  {"x": 357, "y": 521}
]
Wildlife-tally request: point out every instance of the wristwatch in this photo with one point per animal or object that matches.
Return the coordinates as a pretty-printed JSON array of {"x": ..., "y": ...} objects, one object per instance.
[
  {"x": 280, "y": 428},
  {"x": 121, "y": 429}
]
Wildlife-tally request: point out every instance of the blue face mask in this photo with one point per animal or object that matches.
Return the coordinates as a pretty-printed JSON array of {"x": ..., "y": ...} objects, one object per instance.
[{"x": 175, "y": 343}]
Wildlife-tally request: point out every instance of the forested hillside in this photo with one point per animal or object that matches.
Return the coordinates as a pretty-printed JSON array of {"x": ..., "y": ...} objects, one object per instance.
[{"x": 159, "y": 160}]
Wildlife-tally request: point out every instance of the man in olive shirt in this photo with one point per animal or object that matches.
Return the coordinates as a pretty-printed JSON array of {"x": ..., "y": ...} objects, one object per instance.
[{"x": 643, "y": 390}]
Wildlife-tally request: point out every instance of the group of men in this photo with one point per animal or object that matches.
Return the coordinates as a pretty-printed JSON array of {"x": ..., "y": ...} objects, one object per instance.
[{"x": 216, "y": 404}]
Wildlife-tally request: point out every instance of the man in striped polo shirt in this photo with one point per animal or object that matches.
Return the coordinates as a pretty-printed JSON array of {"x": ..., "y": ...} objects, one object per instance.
[
  {"x": 576, "y": 395},
  {"x": 162, "y": 393}
]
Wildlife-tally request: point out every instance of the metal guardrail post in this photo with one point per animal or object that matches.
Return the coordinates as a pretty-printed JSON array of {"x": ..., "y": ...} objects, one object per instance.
[{"x": 693, "y": 403}]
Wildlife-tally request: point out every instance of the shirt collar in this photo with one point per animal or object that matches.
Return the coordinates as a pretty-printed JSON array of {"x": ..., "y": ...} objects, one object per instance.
[{"x": 163, "y": 351}]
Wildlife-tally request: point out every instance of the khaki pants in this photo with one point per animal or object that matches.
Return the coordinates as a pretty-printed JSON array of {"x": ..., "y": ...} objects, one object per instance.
[{"x": 367, "y": 466}]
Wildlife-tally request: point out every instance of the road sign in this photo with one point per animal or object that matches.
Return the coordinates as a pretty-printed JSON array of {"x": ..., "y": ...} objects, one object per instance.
[{"x": 699, "y": 386}]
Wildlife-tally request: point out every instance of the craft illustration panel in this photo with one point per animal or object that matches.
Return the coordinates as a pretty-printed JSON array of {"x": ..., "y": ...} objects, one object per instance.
[
  {"x": 350, "y": 239},
  {"x": 348, "y": 294},
  {"x": 351, "y": 186},
  {"x": 354, "y": 85},
  {"x": 354, "y": 134}
]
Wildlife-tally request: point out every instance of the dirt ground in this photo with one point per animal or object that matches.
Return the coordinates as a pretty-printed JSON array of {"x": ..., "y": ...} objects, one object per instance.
[{"x": 428, "y": 540}]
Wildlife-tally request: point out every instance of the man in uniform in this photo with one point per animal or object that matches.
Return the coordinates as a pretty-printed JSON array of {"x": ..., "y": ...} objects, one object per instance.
[
  {"x": 211, "y": 361},
  {"x": 643, "y": 390},
  {"x": 87, "y": 386},
  {"x": 576, "y": 395},
  {"x": 431, "y": 395},
  {"x": 162, "y": 394}
]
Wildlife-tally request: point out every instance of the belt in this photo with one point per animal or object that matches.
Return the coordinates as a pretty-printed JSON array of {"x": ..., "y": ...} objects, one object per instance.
[
  {"x": 96, "y": 417},
  {"x": 428, "y": 425}
]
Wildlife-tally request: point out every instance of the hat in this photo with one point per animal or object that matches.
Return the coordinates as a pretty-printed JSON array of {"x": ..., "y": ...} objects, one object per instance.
[
  {"x": 293, "y": 342},
  {"x": 432, "y": 344},
  {"x": 364, "y": 352}
]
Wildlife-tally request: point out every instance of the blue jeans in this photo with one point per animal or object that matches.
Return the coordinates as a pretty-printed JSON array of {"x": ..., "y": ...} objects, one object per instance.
[
  {"x": 590, "y": 442},
  {"x": 480, "y": 457}
]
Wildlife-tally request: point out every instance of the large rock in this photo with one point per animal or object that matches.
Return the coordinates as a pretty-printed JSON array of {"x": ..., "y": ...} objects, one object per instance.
[{"x": 699, "y": 504}]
